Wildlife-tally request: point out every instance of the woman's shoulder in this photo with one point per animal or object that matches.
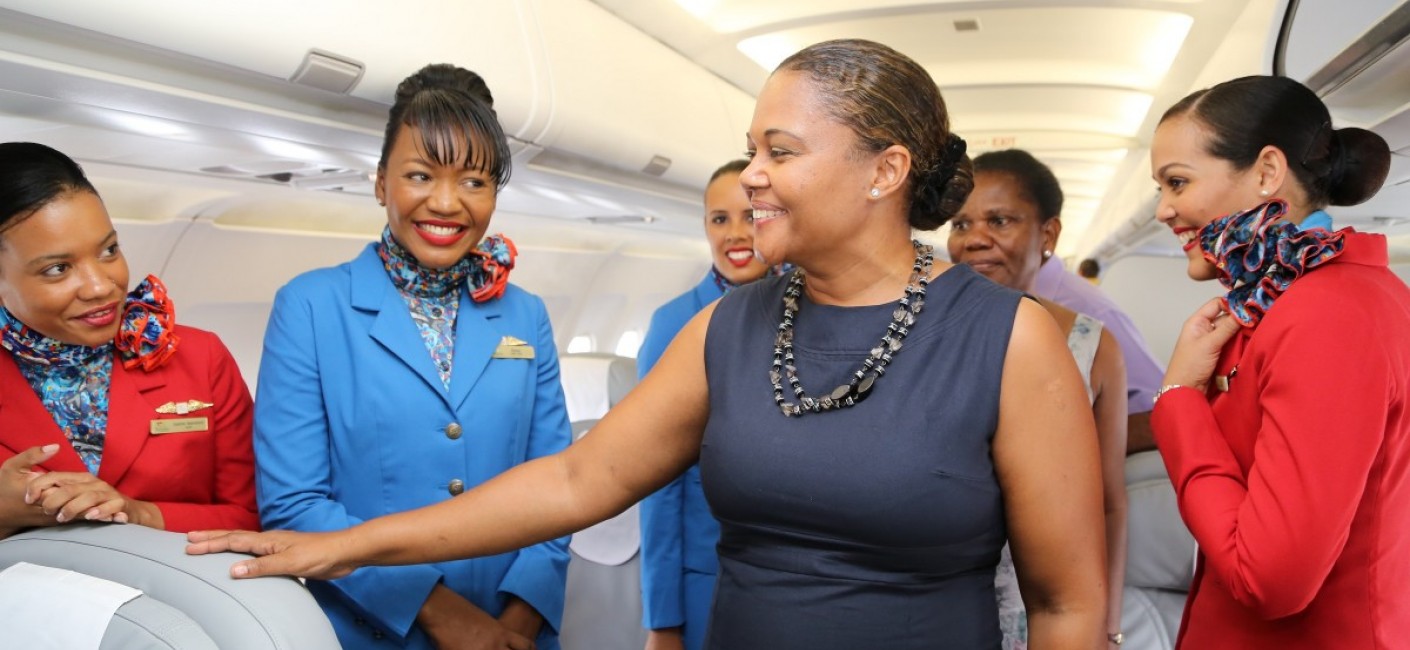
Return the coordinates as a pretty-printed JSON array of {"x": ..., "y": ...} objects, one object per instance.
[
  {"x": 1065, "y": 317},
  {"x": 962, "y": 294},
  {"x": 320, "y": 280}
]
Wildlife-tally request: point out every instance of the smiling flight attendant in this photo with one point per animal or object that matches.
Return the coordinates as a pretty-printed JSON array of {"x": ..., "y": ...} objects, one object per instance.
[
  {"x": 678, "y": 532},
  {"x": 412, "y": 373},
  {"x": 109, "y": 410}
]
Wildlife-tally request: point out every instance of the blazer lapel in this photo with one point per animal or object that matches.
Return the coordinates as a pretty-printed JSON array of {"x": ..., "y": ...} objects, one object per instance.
[
  {"x": 27, "y": 423},
  {"x": 392, "y": 327},
  {"x": 476, "y": 339},
  {"x": 130, "y": 416}
]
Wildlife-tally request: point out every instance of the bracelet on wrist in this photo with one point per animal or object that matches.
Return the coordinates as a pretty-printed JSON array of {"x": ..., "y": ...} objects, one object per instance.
[{"x": 1163, "y": 390}]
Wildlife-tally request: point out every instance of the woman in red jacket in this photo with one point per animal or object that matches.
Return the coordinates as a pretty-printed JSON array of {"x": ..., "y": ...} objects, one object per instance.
[
  {"x": 109, "y": 411},
  {"x": 1285, "y": 412}
]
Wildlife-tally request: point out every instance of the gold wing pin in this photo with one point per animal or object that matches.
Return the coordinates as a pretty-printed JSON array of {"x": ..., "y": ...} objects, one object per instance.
[
  {"x": 513, "y": 348},
  {"x": 182, "y": 408}
]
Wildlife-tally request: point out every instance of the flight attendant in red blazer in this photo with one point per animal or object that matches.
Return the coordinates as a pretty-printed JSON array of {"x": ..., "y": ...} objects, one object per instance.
[
  {"x": 1285, "y": 416},
  {"x": 109, "y": 411}
]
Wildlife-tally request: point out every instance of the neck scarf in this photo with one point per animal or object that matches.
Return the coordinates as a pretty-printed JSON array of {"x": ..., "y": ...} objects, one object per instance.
[
  {"x": 1259, "y": 256},
  {"x": 721, "y": 282},
  {"x": 72, "y": 381},
  {"x": 146, "y": 339},
  {"x": 486, "y": 269},
  {"x": 725, "y": 286}
]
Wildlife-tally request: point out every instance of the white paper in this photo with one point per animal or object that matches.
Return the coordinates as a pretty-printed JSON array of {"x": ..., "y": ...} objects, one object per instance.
[{"x": 44, "y": 607}]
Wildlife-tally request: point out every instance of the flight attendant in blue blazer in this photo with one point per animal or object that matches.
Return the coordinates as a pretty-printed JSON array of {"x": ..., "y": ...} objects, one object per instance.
[
  {"x": 678, "y": 534},
  {"x": 412, "y": 373}
]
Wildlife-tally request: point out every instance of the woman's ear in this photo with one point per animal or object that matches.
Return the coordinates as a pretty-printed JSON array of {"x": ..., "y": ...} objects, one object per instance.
[
  {"x": 379, "y": 186},
  {"x": 1273, "y": 176},
  {"x": 893, "y": 167},
  {"x": 1052, "y": 229}
]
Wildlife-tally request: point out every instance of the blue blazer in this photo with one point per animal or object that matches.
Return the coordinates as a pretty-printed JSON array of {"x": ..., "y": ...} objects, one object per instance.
[
  {"x": 352, "y": 422},
  {"x": 678, "y": 533}
]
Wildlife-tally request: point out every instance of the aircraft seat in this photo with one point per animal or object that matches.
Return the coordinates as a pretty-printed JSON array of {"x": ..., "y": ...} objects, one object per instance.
[
  {"x": 1159, "y": 557},
  {"x": 603, "y": 602},
  {"x": 187, "y": 602}
]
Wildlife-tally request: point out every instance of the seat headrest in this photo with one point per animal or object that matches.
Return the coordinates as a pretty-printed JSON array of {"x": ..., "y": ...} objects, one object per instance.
[
  {"x": 621, "y": 379},
  {"x": 256, "y": 614}
]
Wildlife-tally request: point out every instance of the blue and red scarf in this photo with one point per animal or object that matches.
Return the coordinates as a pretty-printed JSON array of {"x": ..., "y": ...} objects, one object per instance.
[
  {"x": 1259, "y": 256},
  {"x": 72, "y": 381},
  {"x": 486, "y": 269}
]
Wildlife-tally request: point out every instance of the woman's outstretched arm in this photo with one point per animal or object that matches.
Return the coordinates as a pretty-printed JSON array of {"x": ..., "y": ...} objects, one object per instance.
[{"x": 642, "y": 443}]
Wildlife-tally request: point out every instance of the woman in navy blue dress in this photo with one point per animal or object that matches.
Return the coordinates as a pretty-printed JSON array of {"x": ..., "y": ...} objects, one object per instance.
[{"x": 870, "y": 428}]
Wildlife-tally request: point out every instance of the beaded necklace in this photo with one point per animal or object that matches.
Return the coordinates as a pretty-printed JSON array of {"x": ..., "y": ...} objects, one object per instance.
[{"x": 873, "y": 367}]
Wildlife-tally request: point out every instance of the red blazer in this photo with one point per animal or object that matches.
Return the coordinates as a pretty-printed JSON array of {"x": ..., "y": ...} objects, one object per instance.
[
  {"x": 199, "y": 479},
  {"x": 1296, "y": 482}
]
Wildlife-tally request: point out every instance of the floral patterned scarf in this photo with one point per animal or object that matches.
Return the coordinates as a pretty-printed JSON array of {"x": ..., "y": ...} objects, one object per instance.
[
  {"x": 1259, "y": 256},
  {"x": 72, "y": 380},
  {"x": 433, "y": 295}
]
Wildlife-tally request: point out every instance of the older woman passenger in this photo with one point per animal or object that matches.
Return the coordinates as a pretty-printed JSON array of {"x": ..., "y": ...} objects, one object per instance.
[{"x": 1006, "y": 231}]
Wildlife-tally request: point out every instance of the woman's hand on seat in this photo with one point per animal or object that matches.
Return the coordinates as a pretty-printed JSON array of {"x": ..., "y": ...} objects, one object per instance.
[{"x": 282, "y": 552}]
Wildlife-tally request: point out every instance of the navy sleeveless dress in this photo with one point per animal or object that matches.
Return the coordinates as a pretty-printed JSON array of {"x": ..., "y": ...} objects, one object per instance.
[{"x": 876, "y": 526}]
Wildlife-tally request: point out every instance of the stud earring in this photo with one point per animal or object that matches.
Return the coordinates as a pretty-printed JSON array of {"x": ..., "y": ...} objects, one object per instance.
[
  {"x": 1263, "y": 193},
  {"x": 875, "y": 192},
  {"x": 1047, "y": 254}
]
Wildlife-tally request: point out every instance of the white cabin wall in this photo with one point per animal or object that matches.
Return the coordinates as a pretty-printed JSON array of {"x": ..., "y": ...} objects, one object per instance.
[{"x": 1158, "y": 296}]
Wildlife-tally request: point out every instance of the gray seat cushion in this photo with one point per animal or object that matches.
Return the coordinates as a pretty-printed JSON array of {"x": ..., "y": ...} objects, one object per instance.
[{"x": 189, "y": 601}]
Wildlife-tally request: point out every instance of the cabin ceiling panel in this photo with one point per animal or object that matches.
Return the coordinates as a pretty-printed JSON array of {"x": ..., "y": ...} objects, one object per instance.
[
  {"x": 1128, "y": 48},
  {"x": 392, "y": 39},
  {"x": 1103, "y": 111},
  {"x": 1064, "y": 79}
]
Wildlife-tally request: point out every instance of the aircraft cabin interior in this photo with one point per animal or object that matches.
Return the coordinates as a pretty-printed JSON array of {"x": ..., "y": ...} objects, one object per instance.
[{"x": 235, "y": 143}]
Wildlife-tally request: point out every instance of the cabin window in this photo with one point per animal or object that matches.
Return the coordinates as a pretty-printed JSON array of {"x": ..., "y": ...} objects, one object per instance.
[
  {"x": 580, "y": 344},
  {"x": 628, "y": 344}
]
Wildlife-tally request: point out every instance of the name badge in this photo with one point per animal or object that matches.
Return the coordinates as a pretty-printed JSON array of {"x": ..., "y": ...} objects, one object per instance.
[
  {"x": 180, "y": 425},
  {"x": 514, "y": 352},
  {"x": 513, "y": 348}
]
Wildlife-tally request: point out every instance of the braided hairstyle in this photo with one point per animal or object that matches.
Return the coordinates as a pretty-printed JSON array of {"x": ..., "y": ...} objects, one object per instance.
[
  {"x": 1244, "y": 115},
  {"x": 887, "y": 98},
  {"x": 453, "y": 109}
]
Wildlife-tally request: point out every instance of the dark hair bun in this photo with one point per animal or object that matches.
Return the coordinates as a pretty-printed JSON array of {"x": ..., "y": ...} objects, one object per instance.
[
  {"x": 1363, "y": 162},
  {"x": 445, "y": 76},
  {"x": 940, "y": 193}
]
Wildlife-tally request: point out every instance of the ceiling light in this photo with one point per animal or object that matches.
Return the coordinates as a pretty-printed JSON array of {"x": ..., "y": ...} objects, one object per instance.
[
  {"x": 1162, "y": 45},
  {"x": 622, "y": 218},
  {"x": 768, "y": 50},
  {"x": 145, "y": 125}
]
